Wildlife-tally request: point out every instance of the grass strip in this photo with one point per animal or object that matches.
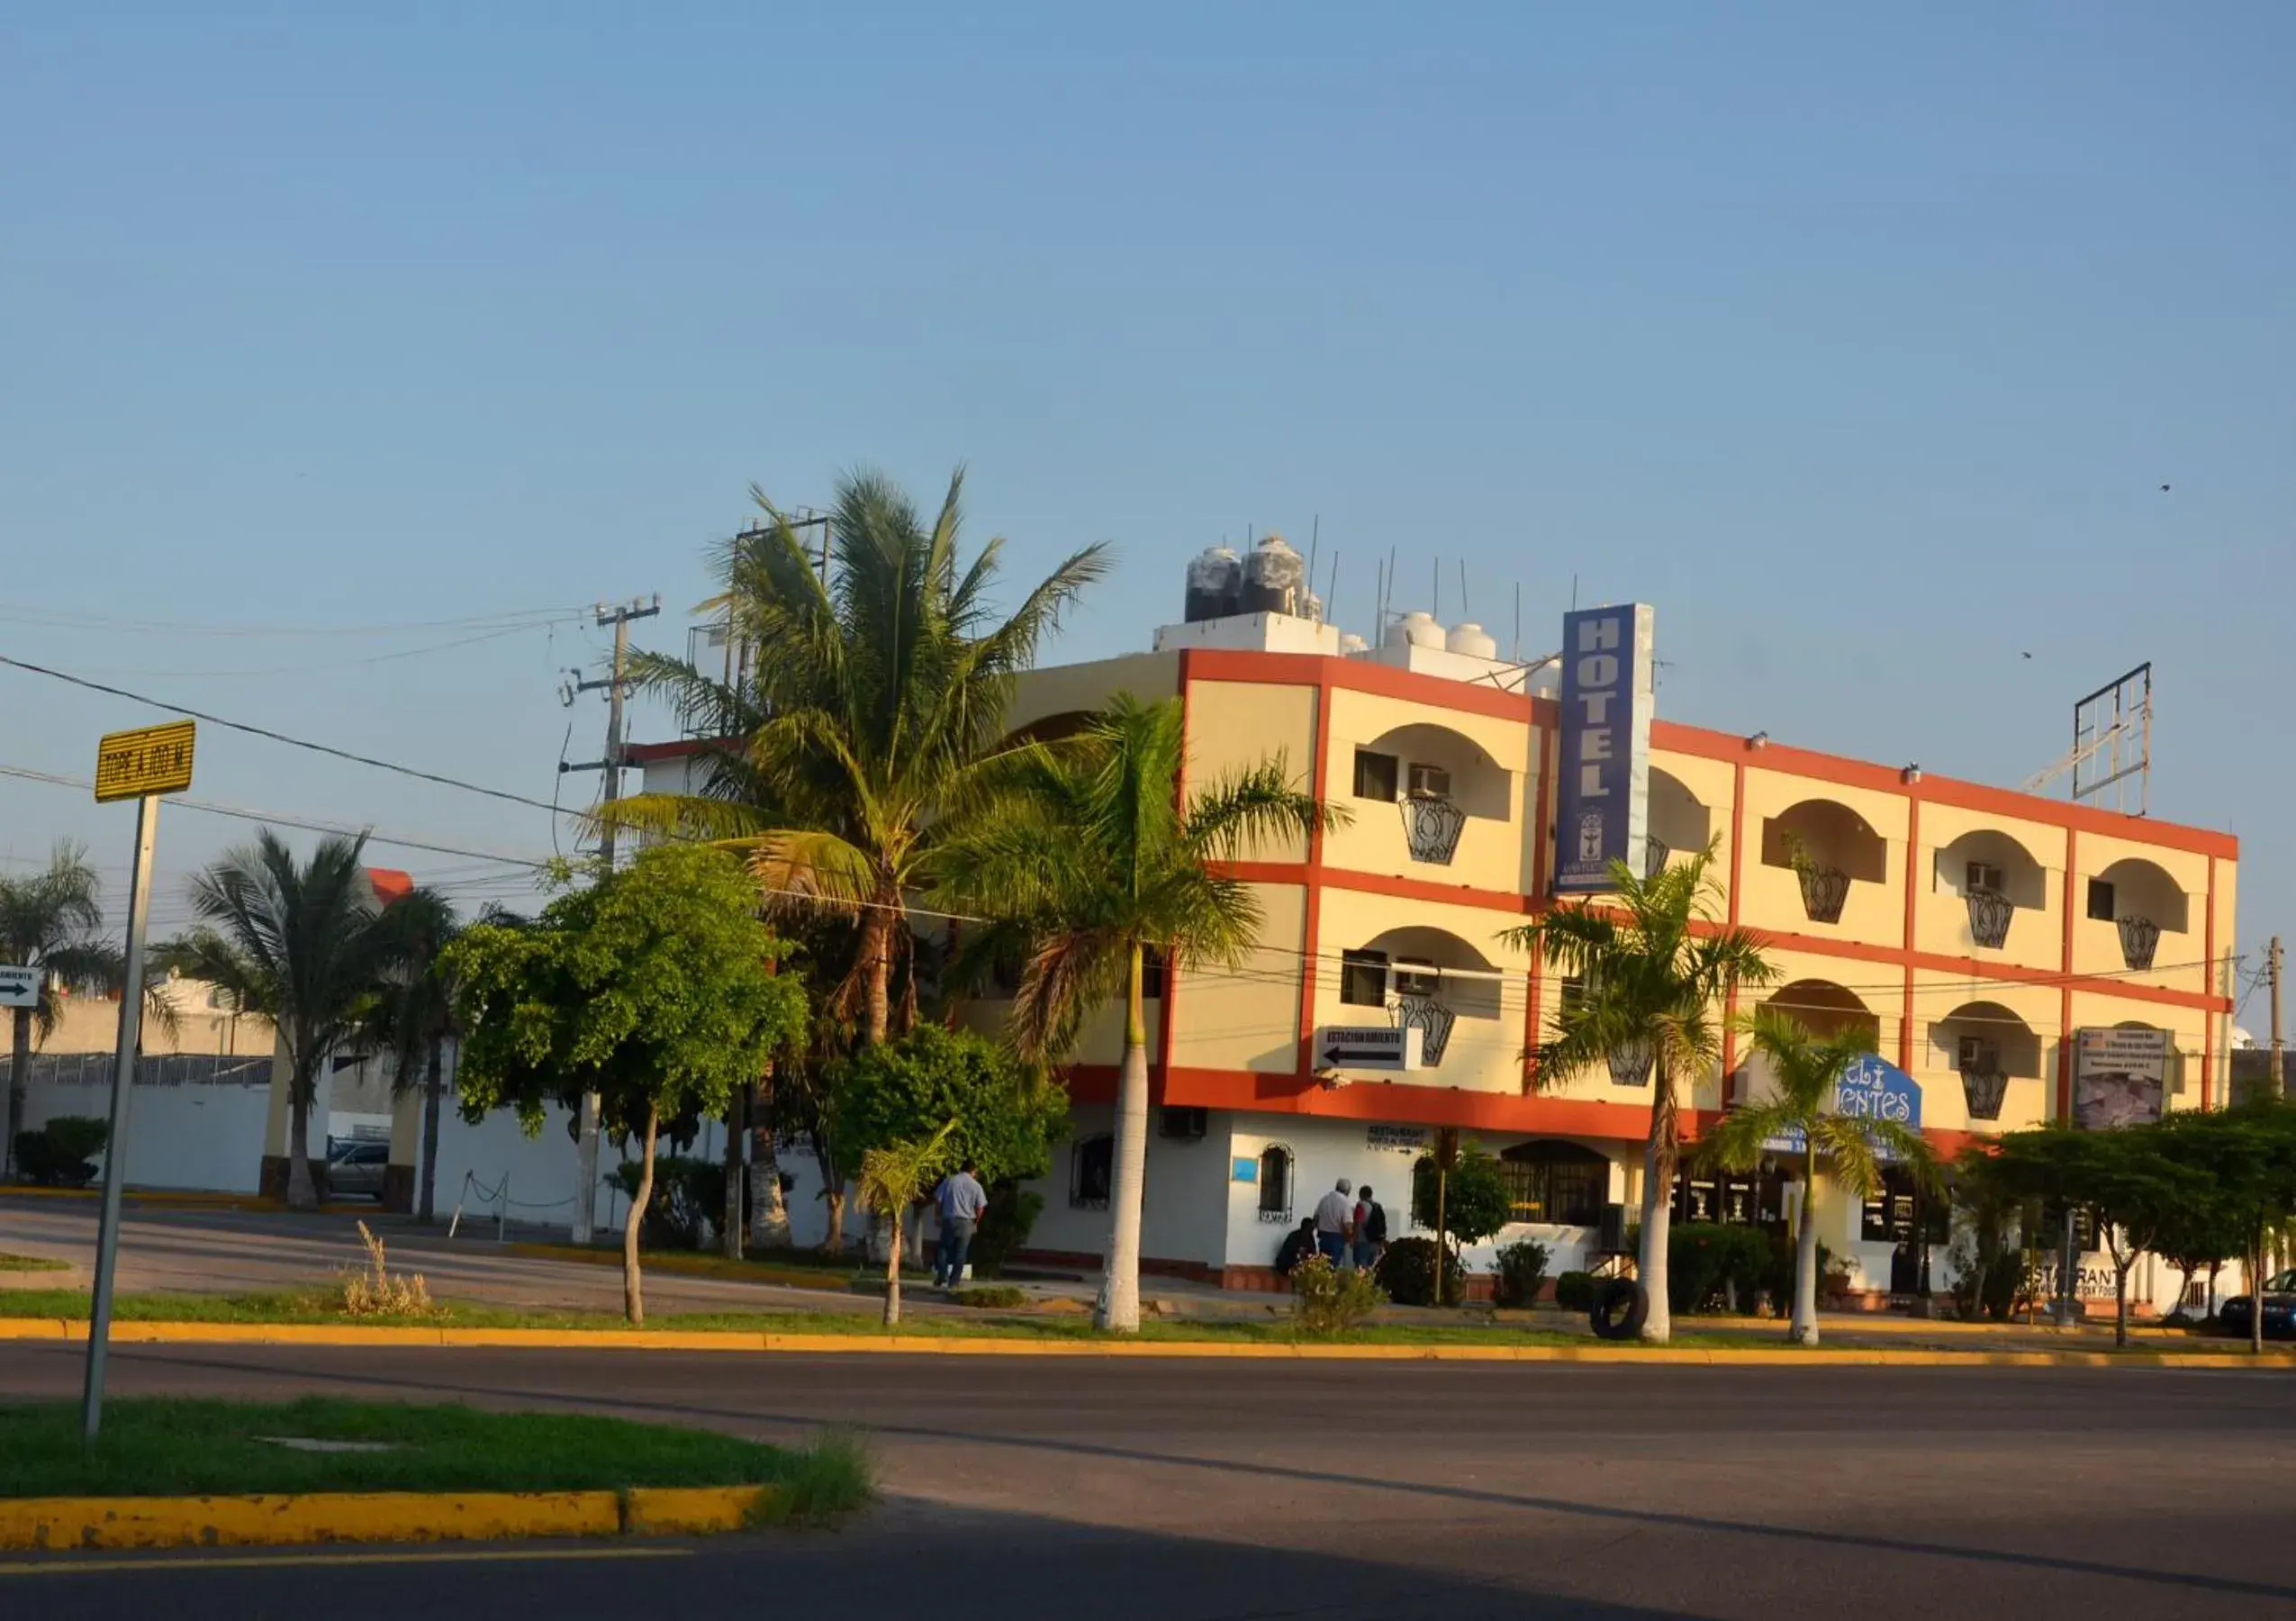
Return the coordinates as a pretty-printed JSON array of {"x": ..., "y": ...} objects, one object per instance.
[
  {"x": 30, "y": 1263},
  {"x": 170, "y": 1447}
]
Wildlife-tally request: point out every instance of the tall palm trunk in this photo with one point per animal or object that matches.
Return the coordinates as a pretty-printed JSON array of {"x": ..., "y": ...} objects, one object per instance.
[
  {"x": 768, "y": 1217},
  {"x": 1658, "y": 1203},
  {"x": 434, "y": 1088},
  {"x": 302, "y": 1194},
  {"x": 1804, "y": 1328},
  {"x": 632, "y": 1284},
  {"x": 19, "y": 1078},
  {"x": 893, "y": 1270},
  {"x": 731, "y": 1230},
  {"x": 876, "y": 967},
  {"x": 1118, "y": 1311},
  {"x": 833, "y": 1194}
]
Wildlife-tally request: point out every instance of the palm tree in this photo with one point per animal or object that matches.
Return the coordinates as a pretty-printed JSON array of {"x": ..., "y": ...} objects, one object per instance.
[
  {"x": 1849, "y": 1151},
  {"x": 304, "y": 945},
  {"x": 47, "y": 922},
  {"x": 874, "y": 717},
  {"x": 1090, "y": 864},
  {"x": 1655, "y": 964},
  {"x": 893, "y": 1178},
  {"x": 413, "y": 1016}
]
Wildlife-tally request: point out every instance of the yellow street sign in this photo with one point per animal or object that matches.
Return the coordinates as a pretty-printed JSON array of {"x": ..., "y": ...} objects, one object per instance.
[{"x": 151, "y": 759}]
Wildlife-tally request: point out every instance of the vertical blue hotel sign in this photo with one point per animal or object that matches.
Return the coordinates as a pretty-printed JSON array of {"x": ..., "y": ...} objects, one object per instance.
[{"x": 1602, "y": 773}]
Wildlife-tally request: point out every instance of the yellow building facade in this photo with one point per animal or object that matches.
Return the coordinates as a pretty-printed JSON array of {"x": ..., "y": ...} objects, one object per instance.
[{"x": 1973, "y": 932}]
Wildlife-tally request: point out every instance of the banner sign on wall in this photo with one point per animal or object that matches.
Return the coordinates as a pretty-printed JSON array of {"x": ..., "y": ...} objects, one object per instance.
[
  {"x": 2120, "y": 1077},
  {"x": 1602, "y": 772},
  {"x": 1871, "y": 1089}
]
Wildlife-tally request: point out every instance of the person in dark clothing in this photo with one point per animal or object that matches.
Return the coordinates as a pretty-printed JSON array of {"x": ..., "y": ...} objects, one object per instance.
[
  {"x": 1298, "y": 1246},
  {"x": 1370, "y": 1240}
]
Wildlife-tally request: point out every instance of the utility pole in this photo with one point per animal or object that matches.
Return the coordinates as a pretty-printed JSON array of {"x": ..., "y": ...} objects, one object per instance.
[
  {"x": 615, "y": 683},
  {"x": 2279, "y": 1045}
]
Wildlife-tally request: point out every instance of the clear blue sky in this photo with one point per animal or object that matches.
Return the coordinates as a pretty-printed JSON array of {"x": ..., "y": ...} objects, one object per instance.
[{"x": 1859, "y": 339}]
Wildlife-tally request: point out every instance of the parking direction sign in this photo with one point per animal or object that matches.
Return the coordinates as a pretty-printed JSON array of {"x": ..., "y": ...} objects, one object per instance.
[{"x": 19, "y": 987}]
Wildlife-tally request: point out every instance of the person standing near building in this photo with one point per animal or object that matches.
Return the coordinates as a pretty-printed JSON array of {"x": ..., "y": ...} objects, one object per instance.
[
  {"x": 1335, "y": 1222},
  {"x": 1370, "y": 1230},
  {"x": 962, "y": 1199}
]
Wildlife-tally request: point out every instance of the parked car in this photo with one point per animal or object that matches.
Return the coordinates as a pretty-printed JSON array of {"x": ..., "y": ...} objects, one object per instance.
[
  {"x": 354, "y": 1170},
  {"x": 2280, "y": 1309}
]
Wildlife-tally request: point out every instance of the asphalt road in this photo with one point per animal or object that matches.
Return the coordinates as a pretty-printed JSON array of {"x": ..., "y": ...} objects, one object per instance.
[{"x": 1185, "y": 1490}]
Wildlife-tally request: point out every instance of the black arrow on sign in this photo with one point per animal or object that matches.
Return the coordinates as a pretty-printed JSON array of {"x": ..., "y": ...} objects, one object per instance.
[{"x": 1339, "y": 1052}]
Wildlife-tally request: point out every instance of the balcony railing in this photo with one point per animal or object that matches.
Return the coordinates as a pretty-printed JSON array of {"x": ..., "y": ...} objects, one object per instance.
[
  {"x": 1990, "y": 914},
  {"x": 1431, "y": 1019},
  {"x": 1983, "y": 1089},
  {"x": 1431, "y": 826},
  {"x": 2139, "y": 939},
  {"x": 1631, "y": 1063},
  {"x": 1823, "y": 890},
  {"x": 1654, "y": 857}
]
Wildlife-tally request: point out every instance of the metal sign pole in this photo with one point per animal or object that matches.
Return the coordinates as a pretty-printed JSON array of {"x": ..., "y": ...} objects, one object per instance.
[{"x": 115, "y": 1151}]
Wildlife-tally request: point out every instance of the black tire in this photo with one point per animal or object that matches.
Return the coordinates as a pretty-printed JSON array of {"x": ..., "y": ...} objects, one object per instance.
[{"x": 1619, "y": 1310}]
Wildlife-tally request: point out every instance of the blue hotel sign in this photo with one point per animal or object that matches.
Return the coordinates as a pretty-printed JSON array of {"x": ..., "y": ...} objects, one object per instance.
[
  {"x": 1871, "y": 1089},
  {"x": 1603, "y": 775}
]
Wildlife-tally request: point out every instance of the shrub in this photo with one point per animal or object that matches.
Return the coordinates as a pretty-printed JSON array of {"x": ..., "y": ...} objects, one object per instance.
[
  {"x": 61, "y": 1152},
  {"x": 1523, "y": 1267},
  {"x": 1004, "y": 1227},
  {"x": 1713, "y": 1266},
  {"x": 1574, "y": 1291},
  {"x": 996, "y": 1298},
  {"x": 375, "y": 1290},
  {"x": 1327, "y": 1301},
  {"x": 1408, "y": 1272}
]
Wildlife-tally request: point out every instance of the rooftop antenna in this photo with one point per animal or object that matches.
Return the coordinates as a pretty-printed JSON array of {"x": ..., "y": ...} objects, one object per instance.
[
  {"x": 1464, "y": 609},
  {"x": 1331, "y": 590},
  {"x": 1315, "y": 538},
  {"x": 1387, "y": 603},
  {"x": 1574, "y": 593}
]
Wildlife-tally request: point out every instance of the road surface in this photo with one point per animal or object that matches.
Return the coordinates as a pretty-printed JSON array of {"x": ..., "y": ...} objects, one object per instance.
[{"x": 1181, "y": 1490}]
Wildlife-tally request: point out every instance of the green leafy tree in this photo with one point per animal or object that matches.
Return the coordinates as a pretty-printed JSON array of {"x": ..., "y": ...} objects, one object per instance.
[
  {"x": 2246, "y": 1158},
  {"x": 893, "y": 1177},
  {"x": 1656, "y": 964},
  {"x": 302, "y": 944},
  {"x": 47, "y": 921},
  {"x": 871, "y": 722},
  {"x": 1091, "y": 863},
  {"x": 1004, "y": 1113},
  {"x": 1462, "y": 1204},
  {"x": 1802, "y": 1107},
  {"x": 2124, "y": 1177},
  {"x": 652, "y": 987}
]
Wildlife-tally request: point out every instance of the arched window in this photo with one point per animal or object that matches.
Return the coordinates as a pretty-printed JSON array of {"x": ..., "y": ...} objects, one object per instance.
[
  {"x": 1092, "y": 1167},
  {"x": 1560, "y": 1183},
  {"x": 1275, "y": 1183}
]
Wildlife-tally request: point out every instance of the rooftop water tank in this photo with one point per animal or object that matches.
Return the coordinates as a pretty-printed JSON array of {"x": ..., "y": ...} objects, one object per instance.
[
  {"x": 1352, "y": 644},
  {"x": 1275, "y": 579},
  {"x": 1417, "y": 628},
  {"x": 1215, "y": 583},
  {"x": 1468, "y": 638}
]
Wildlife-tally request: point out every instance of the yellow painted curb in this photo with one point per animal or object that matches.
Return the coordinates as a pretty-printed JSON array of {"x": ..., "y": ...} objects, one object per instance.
[
  {"x": 694, "y": 1510},
  {"x": 907, "y": 1344},
  {"x": 324, "y": 1516}
]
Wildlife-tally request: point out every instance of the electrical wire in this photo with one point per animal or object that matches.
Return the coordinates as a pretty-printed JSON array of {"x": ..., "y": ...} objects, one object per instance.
[
  {"x": 58, "y": 620},
  {"x": 280, "y": 736}
]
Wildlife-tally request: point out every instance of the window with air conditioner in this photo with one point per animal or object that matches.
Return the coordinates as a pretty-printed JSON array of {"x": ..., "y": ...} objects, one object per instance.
[
  {"x": 2101, "y": 901},
  {"x": 1416, "y": 976},
  {"x": 1429, "y": 782},
  {"x": 1185, "y": 1122},
  {"x": 1363, "y": 978},
  {"x": 1375, "y": 775},
  {"x": 1979, "y": 1055},
  {"x": 1984, "y": 875}
]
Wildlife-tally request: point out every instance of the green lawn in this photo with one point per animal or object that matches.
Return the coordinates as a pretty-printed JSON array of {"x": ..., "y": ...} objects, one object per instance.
[
  {"x": 173, "y": 1447},
  {"x": 9, "y": 1262}
]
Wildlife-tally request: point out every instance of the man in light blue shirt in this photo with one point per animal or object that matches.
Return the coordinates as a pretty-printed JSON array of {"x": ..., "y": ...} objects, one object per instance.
[{"x": 962, "y": 1199}]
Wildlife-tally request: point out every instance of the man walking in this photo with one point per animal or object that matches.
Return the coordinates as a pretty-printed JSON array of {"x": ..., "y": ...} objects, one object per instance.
[
  {"x": 1370, "y": 1230},
  {"x": 962, "y": 1199},
  {"x": 1335, "y": 1222}
]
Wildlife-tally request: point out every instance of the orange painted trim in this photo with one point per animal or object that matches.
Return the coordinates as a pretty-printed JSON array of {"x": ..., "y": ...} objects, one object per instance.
[
  {"x": 1912, "y": 862},
  {"x": 1543, "y": 833},
  {"x": 1676, "y": 738},
  {"x": 1167, "y": 1018},
  {"x": 2064, "y": 1002},
  {"x": 1311, "y": 920},
  {"x": 2208, "y": 1029},
  {"x": 1736, "y": 865},
  {"x": 1376, "y": 883}
]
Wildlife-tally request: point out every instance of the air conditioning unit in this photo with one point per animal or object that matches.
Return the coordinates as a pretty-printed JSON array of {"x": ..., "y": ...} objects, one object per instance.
[
  {"x": 1979, "y": 1055},
  {"x": 1429, "y": 782},
  {"x": 1187, "y": 1124},
  {"x": 1416, "y": 976},
  {"x": 1984, "y": 875}
]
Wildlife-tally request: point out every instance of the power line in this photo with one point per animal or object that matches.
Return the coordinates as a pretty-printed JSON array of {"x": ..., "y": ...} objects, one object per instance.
[{"x": 279, "y": 737}]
